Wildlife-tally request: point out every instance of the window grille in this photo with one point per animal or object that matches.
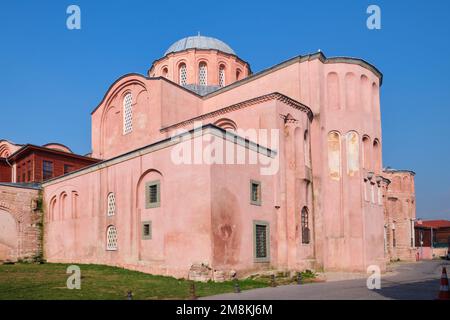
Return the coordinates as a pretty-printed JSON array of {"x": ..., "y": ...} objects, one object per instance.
[
  {"x": 111, "y": 238},
  {"x": 203, "y": 74},
  {"x": 128, "y": 114},
  {"x": 222, "y": 76},
  {"x": 183, "y": 75},
  {"x": 255, "y": 192},
  {"x": 261, "y": 241},
  {"x": 111, "y": 204},
  {"x": 152, "y": 194},
  {"x": 305, "y": 226},
  {"x": 147, "y": 230}
]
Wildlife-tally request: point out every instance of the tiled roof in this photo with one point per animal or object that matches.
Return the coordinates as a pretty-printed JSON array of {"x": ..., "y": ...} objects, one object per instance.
[{"x": 433, "y": 223}]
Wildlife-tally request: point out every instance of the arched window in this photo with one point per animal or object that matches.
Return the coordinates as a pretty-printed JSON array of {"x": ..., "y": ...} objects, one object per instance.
[
  {"x": 202, "y": 74},
  {"x": 305, "y": 226},
  {"x": 183, "y": 74},
  {"x": 165, "y": 72},
  {"x": 238, "y": 74},
  {"x": 352, "y": 153},
  {"x": 376, "y": 156},
  {"x": 52, "y": 211},
  {"x": 306, "y": 150},
  {"x": 74, "y": 204},
  {"x": 111, "y": 204},
  {"x": 405, "y": 184},
  {"x": 226, "y": 124},
  {"x": 128, "y": 114},
  {"x": 222, "y": 75},
  {"x": 63, "y": 204},
  {"x": 366, "y": 152},
  {"x": 111, "y": 238},
  {"x": 334, "y": 155}
]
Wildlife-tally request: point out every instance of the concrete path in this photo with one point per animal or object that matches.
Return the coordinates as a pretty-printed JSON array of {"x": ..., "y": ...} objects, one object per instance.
[{"x": 406, "y": 281}]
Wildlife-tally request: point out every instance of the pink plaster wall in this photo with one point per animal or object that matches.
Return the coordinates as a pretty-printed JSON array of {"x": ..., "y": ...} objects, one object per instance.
[{"x": 347, "y": 222}]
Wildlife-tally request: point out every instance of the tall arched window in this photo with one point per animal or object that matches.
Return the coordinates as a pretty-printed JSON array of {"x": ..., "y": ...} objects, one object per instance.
[
  {"x": 183, "y": 74},
  {"x": 63, "y": 205},
  {"x": 376, "y": 156},
  {"x": 305, "y": 226},
  {"x": 127, "y": 113},
  {"x": 202, "y": 74},
  {"x": 52, "y": 212},
  {"x": 334, "y": 155},
  {"x": 352, "y": 153},
  {"x": 222, "y": 75},
  {"x": 74, "y": 204},
  {"x": 111, "y": 205},
  {"x": 111, "y": 238},
  {"x": 306, "y": 150},
  {"x": 366, "y": 152}
]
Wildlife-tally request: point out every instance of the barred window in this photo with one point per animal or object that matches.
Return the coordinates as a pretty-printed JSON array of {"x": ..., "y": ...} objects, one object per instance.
[
  {"x": 183, "y": 74},
  {"x": 147, "y": 230},
  {"x": 305, "y": 226},
  {"x": 152, "y": 194},
  {"x": 222, "y": 75},
  {"x": 203, "y": 74},
  {"x": 261, "y": 241},
  {"x": 128, "y": 114},
  {"x": 111, "y": 204},
  {"x": 111, "y": 238},
  {"x": 255, "y": 192}
]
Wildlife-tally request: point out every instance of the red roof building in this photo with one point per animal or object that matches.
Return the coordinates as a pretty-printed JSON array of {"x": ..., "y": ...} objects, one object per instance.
[{"x": 31, "y": 164}]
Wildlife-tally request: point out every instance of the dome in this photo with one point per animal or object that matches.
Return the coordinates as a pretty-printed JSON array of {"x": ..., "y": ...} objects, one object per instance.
[{"x": 199, "y": 42}]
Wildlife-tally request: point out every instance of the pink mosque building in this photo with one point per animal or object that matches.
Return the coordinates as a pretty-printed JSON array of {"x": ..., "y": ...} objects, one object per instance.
[{"x": 315, "y": 199}]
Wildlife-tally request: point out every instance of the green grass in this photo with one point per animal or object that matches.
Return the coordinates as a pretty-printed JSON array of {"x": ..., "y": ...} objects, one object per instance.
[{"x": 48, "y": 282}]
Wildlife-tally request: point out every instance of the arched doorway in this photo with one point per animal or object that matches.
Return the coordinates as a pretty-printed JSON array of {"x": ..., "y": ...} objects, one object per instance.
[{"x": 8, "y": 236}]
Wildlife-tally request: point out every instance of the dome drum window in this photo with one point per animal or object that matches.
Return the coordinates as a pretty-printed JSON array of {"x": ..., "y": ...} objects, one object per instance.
[
  {"x": 203, "y": 74},
  {"x": 183, "y": 74},
  {"x": 222, "y": 76}
]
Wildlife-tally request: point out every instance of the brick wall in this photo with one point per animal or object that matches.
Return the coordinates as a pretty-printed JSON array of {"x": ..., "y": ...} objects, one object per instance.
[
  {"x": 20, "y": 223},
  {"x": 5, "y": 171}
]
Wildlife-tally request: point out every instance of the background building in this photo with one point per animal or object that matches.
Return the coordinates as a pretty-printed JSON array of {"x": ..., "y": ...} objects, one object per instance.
[
  {"x": 432, "y": 238},
  {"x": 400, "y": 215},
  {"x": 22, "y": 170}
]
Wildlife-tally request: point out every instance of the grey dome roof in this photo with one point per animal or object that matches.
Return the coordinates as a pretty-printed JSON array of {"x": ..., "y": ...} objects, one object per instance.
[{"x": 199, "y": 42}]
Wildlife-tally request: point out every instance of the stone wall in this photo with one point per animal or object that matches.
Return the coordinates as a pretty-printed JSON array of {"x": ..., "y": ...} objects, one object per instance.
[
  {"x": 400, "y": 214},
  {"x": 20, "y": 223}
]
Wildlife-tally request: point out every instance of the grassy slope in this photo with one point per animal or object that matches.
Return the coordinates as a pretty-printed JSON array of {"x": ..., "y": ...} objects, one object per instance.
[{"x": 48, "y": 282}]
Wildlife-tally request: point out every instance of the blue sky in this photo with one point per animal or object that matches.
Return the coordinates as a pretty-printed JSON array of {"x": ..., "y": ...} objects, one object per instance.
[{"x": 51, "y": 78}]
